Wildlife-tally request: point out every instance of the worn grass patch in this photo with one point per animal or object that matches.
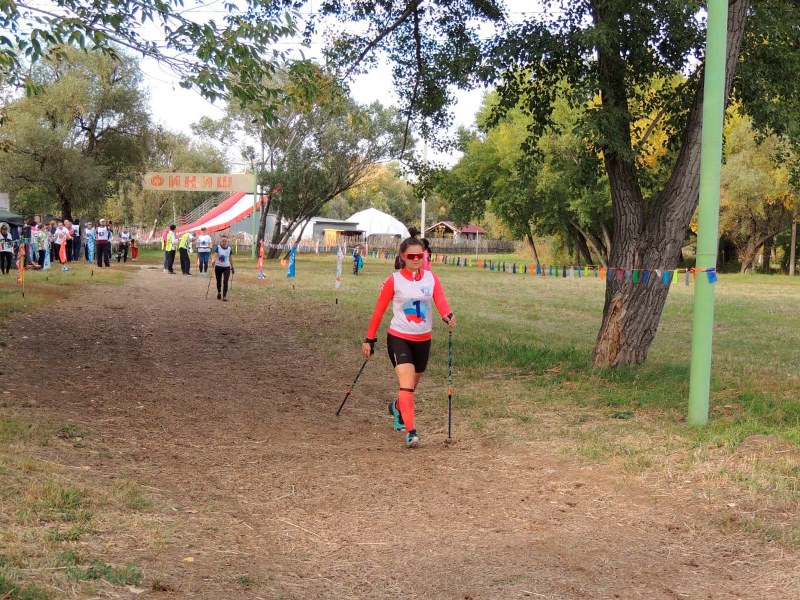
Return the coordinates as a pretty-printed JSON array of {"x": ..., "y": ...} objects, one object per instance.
[
  {"x": 45, "y": 287},
  {"x": 130, "y": 496},
  {"x": 77, "y": 569},
  {"x": 10, "y": 590},
  {"x": 14, "y": 429},
  {"x": 522, "y": 374}
]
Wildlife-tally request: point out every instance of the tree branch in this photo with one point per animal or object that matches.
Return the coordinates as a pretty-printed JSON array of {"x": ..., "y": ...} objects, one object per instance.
[
  {"x": 417, "y": 78},
  {"x": 411, "y": 8}
]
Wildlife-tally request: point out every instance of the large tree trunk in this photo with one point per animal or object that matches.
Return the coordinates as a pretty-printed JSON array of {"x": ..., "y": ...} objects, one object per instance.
[
  {"x": 632, "y": 311},
  {"x": 262, "y": 223},
  {"x": 66, "y": 206},
  {"x": 532, "y": 244},
  {"x": 766, "y": 254},
  {"x": 592, "y": 244},
  {"x": 748, "y": 255},
  {"x": 582, "y": 248},
  {"x": 276, "y": 236}
]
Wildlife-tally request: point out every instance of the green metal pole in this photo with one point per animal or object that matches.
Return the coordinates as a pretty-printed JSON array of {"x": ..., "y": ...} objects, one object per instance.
[{"x": 708, "y": 217}]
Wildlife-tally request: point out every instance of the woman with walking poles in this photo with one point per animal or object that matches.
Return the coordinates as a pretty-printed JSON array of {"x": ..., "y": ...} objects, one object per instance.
[
  {"x": 223, "y": 267},
  {"x": 411, "y": 290}
]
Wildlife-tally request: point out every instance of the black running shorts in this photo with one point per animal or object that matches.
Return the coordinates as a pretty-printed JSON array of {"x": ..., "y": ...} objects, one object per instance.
[{"x": 405, "y": 351}]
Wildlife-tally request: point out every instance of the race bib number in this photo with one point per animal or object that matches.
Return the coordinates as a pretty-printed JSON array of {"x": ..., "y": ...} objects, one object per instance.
[{"x": 415, "y": 311}]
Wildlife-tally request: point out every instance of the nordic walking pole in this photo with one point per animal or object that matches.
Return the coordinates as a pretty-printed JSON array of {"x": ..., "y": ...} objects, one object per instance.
[
  {"x": 350, "y": 391},
  {"x": 449, "y": 383},
  {"x": 208, "y": 287}
]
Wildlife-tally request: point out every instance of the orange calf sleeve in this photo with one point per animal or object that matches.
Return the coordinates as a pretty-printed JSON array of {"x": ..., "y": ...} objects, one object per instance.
[{"x": 405, "y": 404}]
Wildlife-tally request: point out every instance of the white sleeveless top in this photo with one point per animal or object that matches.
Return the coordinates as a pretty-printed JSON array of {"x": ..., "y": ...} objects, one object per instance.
[
  {"x": 6, "y": 243},
  {"x": 223, "y": 257},
  {"x": 101, "y": 234},
  {"x": 412, "y": 304}
]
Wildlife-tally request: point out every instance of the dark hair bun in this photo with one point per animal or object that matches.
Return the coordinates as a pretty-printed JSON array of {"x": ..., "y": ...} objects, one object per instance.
[{"x": 413, "y": 232}]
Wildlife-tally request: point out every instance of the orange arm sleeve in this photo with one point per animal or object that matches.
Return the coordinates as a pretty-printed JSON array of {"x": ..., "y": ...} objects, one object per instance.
[
  {"x": 438, "y": 297},
  {"x": 384, "y": 298}
]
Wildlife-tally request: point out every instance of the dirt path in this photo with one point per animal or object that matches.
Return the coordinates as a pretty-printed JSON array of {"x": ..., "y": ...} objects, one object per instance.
[{"x": 310, "y": 506}]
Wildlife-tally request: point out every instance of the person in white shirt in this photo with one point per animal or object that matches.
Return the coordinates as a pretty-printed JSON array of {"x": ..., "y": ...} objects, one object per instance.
[
  {"x": 76, "y": 242},
  {"x": 6, "y": 249},
  {"x": 412, "y": 292},
  {"x": 63, "y": 238},
  {"x": 124, "y": 244},
  {"x": 102, "y": 244},
  {"x": 88, "y": 242},
  {"x": 223, "y": 268},
  {"x": 203, "y": 251}
]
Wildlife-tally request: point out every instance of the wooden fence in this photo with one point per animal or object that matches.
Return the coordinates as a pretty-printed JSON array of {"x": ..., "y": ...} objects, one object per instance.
[{"x": 390, "y": 243}]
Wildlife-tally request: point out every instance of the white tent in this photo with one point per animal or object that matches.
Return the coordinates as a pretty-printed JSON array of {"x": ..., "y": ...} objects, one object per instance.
[{"x": 372, "y": 221}]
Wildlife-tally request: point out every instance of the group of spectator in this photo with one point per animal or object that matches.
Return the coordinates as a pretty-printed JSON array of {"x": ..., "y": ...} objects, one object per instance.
[
  {"x": 62, "y": 241},
  {"x": 172, "y": 244}
]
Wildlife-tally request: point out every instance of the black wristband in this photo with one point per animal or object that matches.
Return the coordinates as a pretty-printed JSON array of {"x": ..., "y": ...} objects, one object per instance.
[
  {"x": 448, "y": 318},
  {"x": 370, "y": 340}
]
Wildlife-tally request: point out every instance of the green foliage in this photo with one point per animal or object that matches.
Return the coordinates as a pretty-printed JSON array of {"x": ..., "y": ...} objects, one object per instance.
[
  {"x": 176, "y": 152},
  {"x": 758, "y": 199},
  {"x": 604, "y": 57},
  {"x": 85, "y": 127},
  {"x": 319, "y": 144},
  {"x": 767, "y": 79},
  {"x": 558, "y": 190},
  {"x": 223, "y": 58},
  {"x": 382, "y": 188},
  {"x": 433, "y": 47}
]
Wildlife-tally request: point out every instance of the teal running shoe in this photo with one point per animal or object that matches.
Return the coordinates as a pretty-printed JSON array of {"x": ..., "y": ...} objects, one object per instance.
[
  {"x": 398, "y": 418},
  {"x": 412, "y": 439}
]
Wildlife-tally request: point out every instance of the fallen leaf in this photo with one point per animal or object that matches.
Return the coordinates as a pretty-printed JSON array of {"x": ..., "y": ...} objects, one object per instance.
[{"x": 189, "y": 559}]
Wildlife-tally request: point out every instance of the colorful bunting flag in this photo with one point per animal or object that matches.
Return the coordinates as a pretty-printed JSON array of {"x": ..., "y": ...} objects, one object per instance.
[
  {"x": 339, "y": 259},
  {"x": 260, "y": 266},
  {"x": 21, "y": 268},
  {"x": 290, "y": 267}
]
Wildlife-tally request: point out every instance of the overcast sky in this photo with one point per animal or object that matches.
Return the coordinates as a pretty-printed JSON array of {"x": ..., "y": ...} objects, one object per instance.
[{"x": 177, "y": 108}]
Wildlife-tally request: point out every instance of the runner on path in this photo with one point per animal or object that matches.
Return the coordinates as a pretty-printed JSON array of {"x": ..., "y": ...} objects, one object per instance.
[
  {"x": 408, "y": 340},
  {"x": 223, "y": 267}
]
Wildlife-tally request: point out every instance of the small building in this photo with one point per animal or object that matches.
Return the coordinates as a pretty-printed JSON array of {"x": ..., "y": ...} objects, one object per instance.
[
  {"x": 329, "y": 229},
  {"x": 375, "y": 222},
  {"x": 448, "y": 229}
]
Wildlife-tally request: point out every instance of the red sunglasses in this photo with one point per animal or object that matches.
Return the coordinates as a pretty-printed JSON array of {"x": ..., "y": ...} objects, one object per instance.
[{"x": 415, "y": 255}]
